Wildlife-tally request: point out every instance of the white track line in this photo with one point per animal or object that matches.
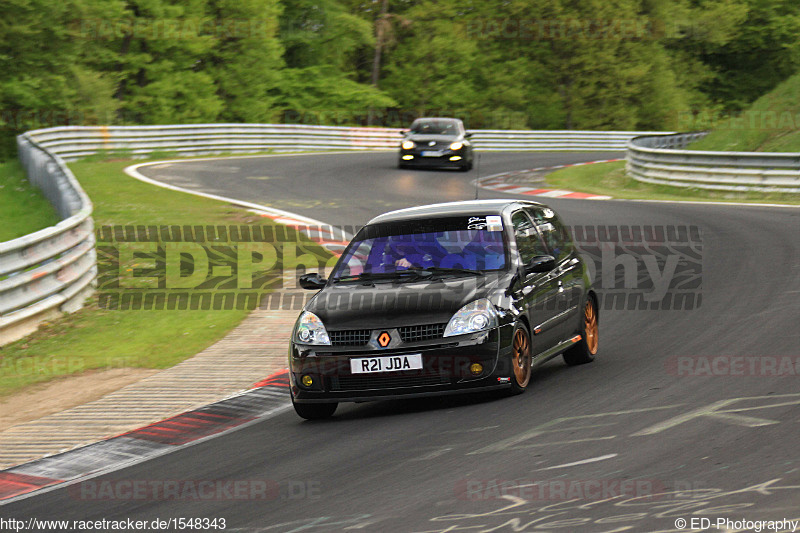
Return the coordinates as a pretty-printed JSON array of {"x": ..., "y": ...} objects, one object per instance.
[{"x": 583, "y": 462}]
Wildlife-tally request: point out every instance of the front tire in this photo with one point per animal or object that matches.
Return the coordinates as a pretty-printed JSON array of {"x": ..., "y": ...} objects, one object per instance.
[
  {"x": 520, "y": 359},
  {"x": 314, "y": 411},
  {"x": 585, "y": 349}
]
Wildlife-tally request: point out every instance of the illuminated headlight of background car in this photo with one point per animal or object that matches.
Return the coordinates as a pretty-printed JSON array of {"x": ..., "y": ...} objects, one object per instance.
[
  {"x": 311, "y": 330},
  {"x": 476, "y": 316},
  {"x": 408, "y": 145},
  {"x": 458, "y": 145}
]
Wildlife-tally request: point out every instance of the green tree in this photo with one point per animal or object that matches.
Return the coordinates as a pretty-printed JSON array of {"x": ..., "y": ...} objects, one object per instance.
[
  {"x": 433, "y": 69},
  {"x": 44, "y": 79},
  {"x": 246, "y": 62},
  {"x": 160, "y": 63},
  {"x": 762, "y": 50},
  {"x": 322, "y": 40}
]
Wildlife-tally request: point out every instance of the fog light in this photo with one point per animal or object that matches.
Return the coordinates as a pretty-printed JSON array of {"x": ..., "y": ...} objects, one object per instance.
[
  {"x": 307, "y": 380},
  {"x": 476, "y": 368},
  {"x": 455, "y": 158},
  {"x": 408, "y": 157}
]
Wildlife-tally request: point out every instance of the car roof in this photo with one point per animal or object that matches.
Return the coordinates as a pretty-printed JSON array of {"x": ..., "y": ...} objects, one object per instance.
[
  {"x": 469, "y": 207},
  {"x": 434, "y": 119}
]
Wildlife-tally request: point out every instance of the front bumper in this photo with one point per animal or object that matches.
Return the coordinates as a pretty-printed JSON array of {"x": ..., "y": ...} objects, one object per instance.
[
  {"x": 446, "y": 158},
  {"x": 446, "y": 369}
]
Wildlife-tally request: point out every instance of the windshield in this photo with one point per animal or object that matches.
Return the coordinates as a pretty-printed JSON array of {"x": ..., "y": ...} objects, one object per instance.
[
  {"x": 435, "y": 127},
  {"x": 454, "y": 244}
]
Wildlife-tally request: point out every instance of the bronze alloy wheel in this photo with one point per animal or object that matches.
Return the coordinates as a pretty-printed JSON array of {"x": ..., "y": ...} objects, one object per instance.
[
  {"x": 522, "y": 358},
  {"x": 590, "y": 326},
  {"x": 584, "y": 350}
]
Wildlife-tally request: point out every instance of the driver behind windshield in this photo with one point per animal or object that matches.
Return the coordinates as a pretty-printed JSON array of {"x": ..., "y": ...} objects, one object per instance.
[
  {"x": 446, "y": 245},
  {"x": 414, "y": 251}
]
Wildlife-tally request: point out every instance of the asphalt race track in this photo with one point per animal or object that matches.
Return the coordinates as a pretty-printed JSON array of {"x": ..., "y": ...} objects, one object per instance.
[{"x": 688, "y": 413}]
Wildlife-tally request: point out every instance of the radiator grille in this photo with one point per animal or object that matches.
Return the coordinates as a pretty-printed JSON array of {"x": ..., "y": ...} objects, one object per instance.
[
  {"x": 350, "y": 337},
  {"x": 421, "y": 333}
]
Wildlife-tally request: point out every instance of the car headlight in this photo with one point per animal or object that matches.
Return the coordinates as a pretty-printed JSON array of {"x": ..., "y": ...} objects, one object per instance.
[
  {"x": 310, "y": 330},
  {"x": 408, "y": 145},
  {"x": 475, "y": 316},
  {"x": 457, "y": 145}
]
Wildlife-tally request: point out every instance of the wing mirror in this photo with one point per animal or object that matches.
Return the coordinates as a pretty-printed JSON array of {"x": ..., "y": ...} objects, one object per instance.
[
  {"x": 540, "y": 263},
  {"x": 312, "y": 281}
]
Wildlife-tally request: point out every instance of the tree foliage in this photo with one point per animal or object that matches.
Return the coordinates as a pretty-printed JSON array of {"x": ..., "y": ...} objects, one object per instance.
[{"x": 544, "y": 64}]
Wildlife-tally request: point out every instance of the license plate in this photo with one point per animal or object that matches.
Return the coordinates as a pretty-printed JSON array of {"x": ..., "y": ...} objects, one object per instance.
[
  {"x": 388, "y": 363},
  {"x": 431, "y": 154}
]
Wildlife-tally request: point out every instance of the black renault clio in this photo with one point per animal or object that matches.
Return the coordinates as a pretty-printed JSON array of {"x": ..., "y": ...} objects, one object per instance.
[{"x": 445, "y": 298}]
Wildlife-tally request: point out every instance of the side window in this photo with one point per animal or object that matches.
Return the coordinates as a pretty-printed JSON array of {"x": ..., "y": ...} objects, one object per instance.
[
  {"x": 554, "y": 232},
  {"x": 528, "y": 242}
]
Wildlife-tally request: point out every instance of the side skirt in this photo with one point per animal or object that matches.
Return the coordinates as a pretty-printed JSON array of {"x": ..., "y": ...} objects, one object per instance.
[{"x": 546, "y": 355}]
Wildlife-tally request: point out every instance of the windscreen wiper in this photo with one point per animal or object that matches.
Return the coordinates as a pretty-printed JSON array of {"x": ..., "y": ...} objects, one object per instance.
[
  {"x": 412, "y": 273},
  {"x": 443, "y": 270}
]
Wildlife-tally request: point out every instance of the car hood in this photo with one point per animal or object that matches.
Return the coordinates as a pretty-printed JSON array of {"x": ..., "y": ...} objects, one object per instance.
[{"x": 388, "y": 305}]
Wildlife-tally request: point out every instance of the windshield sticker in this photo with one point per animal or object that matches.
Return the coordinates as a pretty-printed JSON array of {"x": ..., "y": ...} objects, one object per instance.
[
  {"x": 476, "y": 223},
  {"x": 494, "y": 223},
  {"x": 548, "y": 213},
  {"x": 489, "y": 223}
]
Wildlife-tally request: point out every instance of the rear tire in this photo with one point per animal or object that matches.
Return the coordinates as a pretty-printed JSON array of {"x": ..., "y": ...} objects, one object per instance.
[
  {"x": 314, "y": 411},
  {"x": 585, "y": 349},
  {"x": 520, "y": 359}
]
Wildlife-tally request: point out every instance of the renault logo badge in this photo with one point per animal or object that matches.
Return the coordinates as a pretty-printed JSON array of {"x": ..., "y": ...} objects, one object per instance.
[{"x": 384, "y": 339}]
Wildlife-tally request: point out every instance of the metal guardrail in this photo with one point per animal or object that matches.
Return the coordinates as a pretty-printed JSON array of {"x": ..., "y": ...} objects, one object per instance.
[
  {"x": 661, "y": 160},
  {"x": 74, "y": 142},
  {"x": 52, "y": 270}
]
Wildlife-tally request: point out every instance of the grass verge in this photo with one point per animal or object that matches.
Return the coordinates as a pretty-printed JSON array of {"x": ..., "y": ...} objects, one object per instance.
[
  {"x": 23, "y": 207},
  {"x": 770, "y": 124},
  {"x": 95, "y": 338},
  {"x": 610, "y": 179}
]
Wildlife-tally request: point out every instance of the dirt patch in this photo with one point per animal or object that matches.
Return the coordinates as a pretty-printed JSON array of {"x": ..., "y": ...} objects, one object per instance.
[{"x": 44, "y": 399}]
